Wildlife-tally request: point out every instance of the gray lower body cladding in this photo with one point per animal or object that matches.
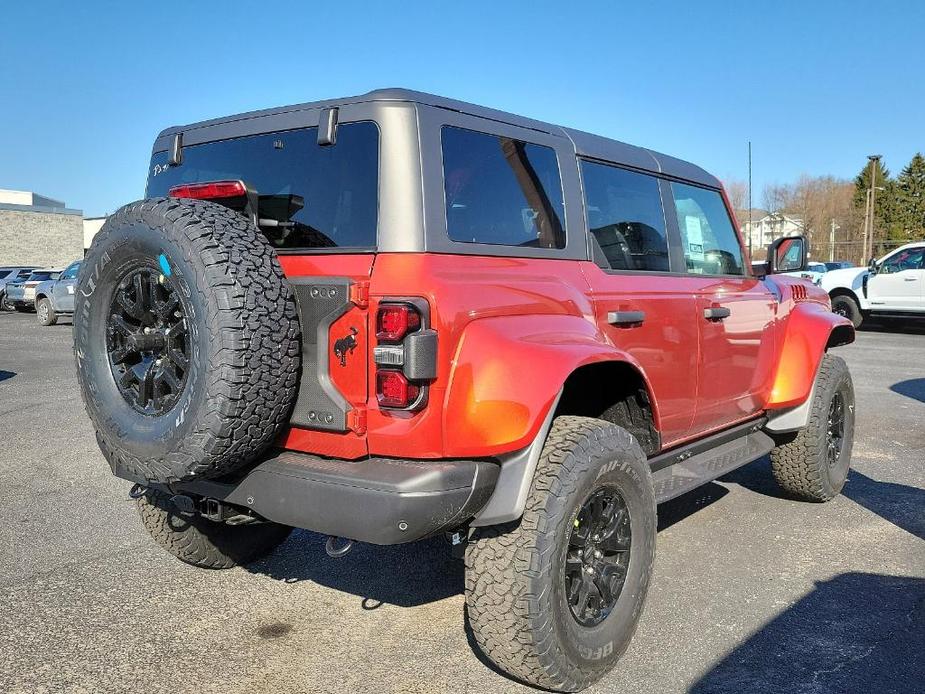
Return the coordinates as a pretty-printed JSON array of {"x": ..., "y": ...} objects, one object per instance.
[{"x": 379, "y": 500}]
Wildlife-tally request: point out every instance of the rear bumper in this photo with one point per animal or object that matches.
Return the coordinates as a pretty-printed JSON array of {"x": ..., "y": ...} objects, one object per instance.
[{"x": 379, "y": 500}]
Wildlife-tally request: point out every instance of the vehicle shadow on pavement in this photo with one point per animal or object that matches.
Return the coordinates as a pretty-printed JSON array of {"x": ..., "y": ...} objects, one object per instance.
[
  {"x": 414, "y": 574},
  {"x": 906, "y": 326},
  {"x": 6, "y": 375},
  {"x": 857, "y": 632},
  {"x": 913, "y": 388},
  {"x": 899, "y": 504},
  {"x": 405, "y": 575}
]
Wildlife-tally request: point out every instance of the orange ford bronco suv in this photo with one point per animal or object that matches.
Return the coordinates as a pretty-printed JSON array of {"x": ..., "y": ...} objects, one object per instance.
[{"x": 396, "y": 315}]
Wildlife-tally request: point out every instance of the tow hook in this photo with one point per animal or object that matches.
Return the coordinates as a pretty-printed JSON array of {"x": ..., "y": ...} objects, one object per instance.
[
  {"x": 137, "y": 491},
  {"x": 337, "y": 552}
]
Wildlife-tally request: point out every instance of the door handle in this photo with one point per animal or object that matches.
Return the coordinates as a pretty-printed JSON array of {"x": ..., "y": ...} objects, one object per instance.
[
  {"x": 626, "y": 317},
  {"x": 910, "y": 279},
  {"x": 716, "y": 313}
]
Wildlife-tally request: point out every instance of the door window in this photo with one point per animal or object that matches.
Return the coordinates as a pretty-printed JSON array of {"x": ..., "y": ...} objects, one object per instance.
[
  {"x": 909, "y": 259},
  {"x": 710, "y": 242},
  {"x": 625, "y": 217},
  {"x": 71, "y": 272},
  {"x": 499, "y": 190}
]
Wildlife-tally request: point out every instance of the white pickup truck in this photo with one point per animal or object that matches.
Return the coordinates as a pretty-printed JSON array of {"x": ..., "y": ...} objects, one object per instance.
[{"x": 893, "y": 285}]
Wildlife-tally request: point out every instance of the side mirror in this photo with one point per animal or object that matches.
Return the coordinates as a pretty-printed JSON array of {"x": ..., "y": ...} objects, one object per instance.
[
  {"x": 787, "y": 254},
  {"x": 872, "y": 266}
]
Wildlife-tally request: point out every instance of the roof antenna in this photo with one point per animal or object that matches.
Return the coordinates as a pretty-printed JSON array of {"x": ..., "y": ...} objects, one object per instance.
[
  {"x": 175, "y": 157},
  {"x": 327, "y": 127}
]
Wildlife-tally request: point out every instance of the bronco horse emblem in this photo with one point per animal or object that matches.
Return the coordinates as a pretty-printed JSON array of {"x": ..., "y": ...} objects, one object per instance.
[{"x": 345, "y": 345}]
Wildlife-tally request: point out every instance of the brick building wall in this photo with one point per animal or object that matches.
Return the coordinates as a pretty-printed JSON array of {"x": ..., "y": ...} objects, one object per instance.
[{"x": 49, "y": 239}]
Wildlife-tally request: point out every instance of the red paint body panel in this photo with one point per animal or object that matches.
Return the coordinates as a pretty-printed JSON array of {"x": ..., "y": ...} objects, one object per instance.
[
  {"x": 805, "y": 332},
  {"x": 511, "y": 330}
]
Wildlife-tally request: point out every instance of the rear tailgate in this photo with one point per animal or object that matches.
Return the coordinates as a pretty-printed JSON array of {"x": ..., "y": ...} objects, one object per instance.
[{"x": 330, "y": 412}]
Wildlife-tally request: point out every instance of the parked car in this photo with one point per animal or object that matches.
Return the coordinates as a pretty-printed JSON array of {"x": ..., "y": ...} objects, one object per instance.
[
  {"x": 894, "y": 285},
  {"x": 55, "y": 297},
  {"x": 398, "y": 315},
  {"x": 838, "y": 265},
  {"x": 20, "y": 293},
  {"x": 812, "y": 272},
  {"x": 8, "y": 274}
]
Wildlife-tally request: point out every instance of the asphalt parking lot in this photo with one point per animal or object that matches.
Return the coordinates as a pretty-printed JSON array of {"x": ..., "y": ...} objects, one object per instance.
[{"x": 752, "y": 592}]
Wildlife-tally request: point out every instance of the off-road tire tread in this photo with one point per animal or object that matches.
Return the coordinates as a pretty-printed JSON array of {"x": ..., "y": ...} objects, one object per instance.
[
  {"x": 799, "y": 465},
  {"x": 252, "y": 385},
  {"x": 508, "y": 623},
  {"x": 204, "y": 543}
]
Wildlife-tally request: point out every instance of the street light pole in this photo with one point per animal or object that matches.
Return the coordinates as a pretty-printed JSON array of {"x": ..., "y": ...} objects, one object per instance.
[{"x": 869, "y": 251}]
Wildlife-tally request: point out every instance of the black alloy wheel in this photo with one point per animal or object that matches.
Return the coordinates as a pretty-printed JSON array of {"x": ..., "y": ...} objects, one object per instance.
[
  {"x": 147, "y": 341},
  {"x": 597, "y": 556},
  {"x": 835, "y": 429}
]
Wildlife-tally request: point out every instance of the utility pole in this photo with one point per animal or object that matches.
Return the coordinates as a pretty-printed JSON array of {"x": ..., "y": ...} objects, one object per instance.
[
  {"x": 869, "y": 237},
  {"x": 749, "y": 198},
  {"x": 832, "y": 240}
]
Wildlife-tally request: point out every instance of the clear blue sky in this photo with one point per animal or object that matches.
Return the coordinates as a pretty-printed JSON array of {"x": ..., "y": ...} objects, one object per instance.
[{"x": 816, "y": 86}]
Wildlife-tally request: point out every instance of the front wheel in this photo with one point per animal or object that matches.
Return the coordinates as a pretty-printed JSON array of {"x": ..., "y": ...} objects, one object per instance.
[
  {"x": 45, "y": 313},
  {"x": 554, "y": 598},
  {"x": 848, "y": 307},
  {"x": 4, "y": 304},
  {"x": 813, "y": 463}
]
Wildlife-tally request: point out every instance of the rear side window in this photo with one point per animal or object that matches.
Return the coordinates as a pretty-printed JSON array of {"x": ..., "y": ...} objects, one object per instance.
[
  {"x": 711, "y": 245},
  {"x": 321, "y": 197},
  {"x": 502, "y": 191},
  {"x": 625, "y": 216}
]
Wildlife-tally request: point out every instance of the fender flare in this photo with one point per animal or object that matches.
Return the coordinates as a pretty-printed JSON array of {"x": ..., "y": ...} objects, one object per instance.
[
  {"x": 541, "y": 352},
  {"x": 811, "y": 329},
  {"x": 507, "y": 374}
]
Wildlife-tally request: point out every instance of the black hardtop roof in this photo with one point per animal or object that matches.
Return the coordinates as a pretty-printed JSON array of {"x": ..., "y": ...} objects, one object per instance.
[{"x": 586, "y": 144}]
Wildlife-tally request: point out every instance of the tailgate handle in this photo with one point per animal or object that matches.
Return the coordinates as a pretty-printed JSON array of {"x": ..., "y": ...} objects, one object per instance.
[
  {"x": 716, "y": 313},
  {"x": 626, "y": 317}
]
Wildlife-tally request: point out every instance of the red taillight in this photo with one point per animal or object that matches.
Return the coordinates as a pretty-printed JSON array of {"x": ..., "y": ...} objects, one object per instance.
[
  {"x": 394, "y": 321},
  {"x": 209, "y": 190},
  {"x": 394, "y": 390}
]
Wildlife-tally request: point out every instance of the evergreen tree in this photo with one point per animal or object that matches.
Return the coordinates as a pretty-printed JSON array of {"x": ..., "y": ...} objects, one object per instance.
[
  {"x": 886, "y": 223},
  {"x": 910, "y": 199}
]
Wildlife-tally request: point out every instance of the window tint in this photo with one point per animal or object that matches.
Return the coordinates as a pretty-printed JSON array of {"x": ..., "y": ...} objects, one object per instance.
[
  {"x": 501, "y": 191},
  {"x": 711, "y": 245},
  {"x": 71, "y": 271},
  {"x": 322, "y": 197},
  {"x": 625, "y": 216},
  {"x": 909, "y": 259}
]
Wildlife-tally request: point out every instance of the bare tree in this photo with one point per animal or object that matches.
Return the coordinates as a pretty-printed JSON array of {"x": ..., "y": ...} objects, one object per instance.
[{"x": 737, "y": 192}]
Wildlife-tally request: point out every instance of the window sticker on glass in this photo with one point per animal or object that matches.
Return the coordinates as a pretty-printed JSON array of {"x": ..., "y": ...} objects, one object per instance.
[{"x": 694, "y": 237}]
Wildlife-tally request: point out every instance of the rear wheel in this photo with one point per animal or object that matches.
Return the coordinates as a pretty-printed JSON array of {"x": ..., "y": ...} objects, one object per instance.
[
  {"x": 813, "y": 463},
  {"x": 202, "y": 542},
  {"x": 554, "y": 598},
  {"x": 45, "y": 313},
  {"x": 846, "y": 306}
]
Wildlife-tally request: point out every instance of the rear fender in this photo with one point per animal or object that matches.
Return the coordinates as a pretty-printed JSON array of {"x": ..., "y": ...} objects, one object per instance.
[
  {"x": 810, "y": 330},
  {"x": 509, "y": 371}
]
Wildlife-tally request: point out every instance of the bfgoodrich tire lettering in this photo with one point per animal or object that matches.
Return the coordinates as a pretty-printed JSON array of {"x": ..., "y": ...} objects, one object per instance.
[
  {"x": 515, "y": 585},
  {"x": 803, "y": 463},
  {"x": 241, "y": 330}
]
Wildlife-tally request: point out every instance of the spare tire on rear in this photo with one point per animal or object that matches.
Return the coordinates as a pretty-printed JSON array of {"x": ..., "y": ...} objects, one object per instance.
[{"x": 186, "y": 338}]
